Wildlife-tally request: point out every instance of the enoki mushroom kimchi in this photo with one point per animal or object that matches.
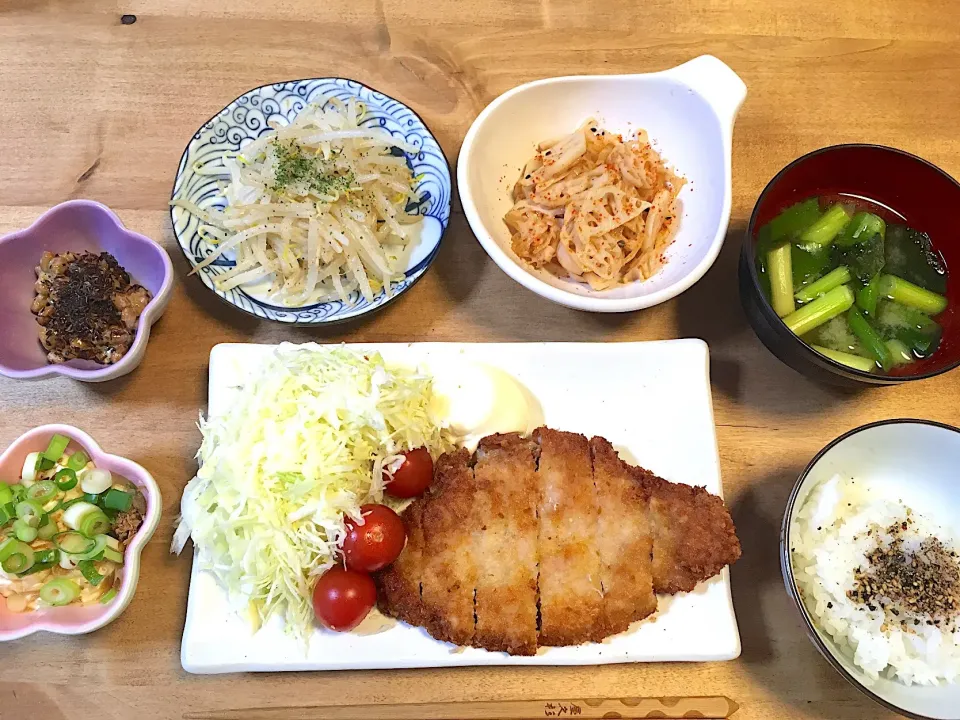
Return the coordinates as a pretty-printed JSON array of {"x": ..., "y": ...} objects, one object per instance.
[{"x": 595, "y": 207}]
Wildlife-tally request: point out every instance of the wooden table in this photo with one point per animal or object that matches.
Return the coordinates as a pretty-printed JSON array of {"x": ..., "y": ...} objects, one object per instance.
[{"x": 96, "y": 107}]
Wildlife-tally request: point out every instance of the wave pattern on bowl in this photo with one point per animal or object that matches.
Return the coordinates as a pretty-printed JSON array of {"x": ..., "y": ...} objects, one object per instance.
[{"x": 248, "y": 117}]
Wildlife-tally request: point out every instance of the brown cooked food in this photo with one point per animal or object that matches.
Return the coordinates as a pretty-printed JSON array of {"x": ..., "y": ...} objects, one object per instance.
[
  {"x": 127, "y": 523},
  {"x": 549, "y": 540},
  {"x": 87, "y": 307}
]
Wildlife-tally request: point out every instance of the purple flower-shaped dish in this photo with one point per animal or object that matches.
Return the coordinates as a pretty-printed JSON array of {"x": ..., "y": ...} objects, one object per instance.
[{"x": 78, "y": 226}]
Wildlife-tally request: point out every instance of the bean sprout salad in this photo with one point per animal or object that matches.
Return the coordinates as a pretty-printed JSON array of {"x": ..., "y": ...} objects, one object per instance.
[{"x": 317, "y": 209}]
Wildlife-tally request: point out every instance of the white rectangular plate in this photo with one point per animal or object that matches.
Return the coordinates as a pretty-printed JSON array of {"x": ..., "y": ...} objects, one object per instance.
[{"x": 651, "y": 400}]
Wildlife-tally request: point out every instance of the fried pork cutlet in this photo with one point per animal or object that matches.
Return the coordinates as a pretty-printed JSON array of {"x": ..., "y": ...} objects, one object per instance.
[
  {"x": 506, "y": 604},
  {"x": 623, "y": 541},
  {"x": 551, "y": 540},
  {"x": 693, "y": 534},
  {"x": 449, "y": 574},
  {"x": 570, "y": 594}
]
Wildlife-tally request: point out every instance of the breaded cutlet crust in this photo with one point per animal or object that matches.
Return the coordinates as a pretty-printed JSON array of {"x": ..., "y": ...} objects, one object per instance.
[
  {"x": 470, "y": 528},
  {"x": 570, "y": 594},
  {"x": 398, "y": 585},
  {"x": 693, "y": 534},
  {"x": 624, "y": 542},
  {"x": 449, "y": 574},
  {"x": 506, "y": 537}
]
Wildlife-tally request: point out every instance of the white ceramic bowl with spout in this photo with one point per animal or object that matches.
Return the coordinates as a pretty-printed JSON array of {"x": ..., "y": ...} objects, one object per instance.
[{"x": 688, "y": 112}]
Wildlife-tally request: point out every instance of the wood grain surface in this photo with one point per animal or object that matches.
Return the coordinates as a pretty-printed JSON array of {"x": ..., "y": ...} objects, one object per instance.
[{"x": 95, "y": 108}]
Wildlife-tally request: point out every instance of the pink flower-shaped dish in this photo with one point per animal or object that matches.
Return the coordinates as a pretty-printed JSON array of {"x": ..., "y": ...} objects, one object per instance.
[
  {"x": 78, "y": 226},
  {"x": 74, "y": 619}
]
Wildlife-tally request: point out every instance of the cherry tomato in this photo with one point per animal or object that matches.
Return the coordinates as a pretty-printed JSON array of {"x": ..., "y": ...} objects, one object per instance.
[
  {"x": 376, "y": 543},
  {"x": 412, "y": 477},
  {"x": 342, "y": 598}
]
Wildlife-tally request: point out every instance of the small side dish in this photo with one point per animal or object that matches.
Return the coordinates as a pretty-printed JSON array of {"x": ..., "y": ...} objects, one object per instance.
[
  {"x": 319, "y": 207},
  {"x": 882, "y": 580},
  {"x": 87, "y": 307},
  {"x": 63, "y": 530},
  {"x": 595, "y": 208},
  {"x": 853, "y": 282}
]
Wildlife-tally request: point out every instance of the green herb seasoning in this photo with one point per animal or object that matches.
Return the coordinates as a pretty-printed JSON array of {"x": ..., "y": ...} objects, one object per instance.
[{"x": 300, "y": 169}]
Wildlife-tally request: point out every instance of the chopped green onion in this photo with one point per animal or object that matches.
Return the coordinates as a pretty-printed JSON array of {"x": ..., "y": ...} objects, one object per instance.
[
  {"x": 30, "y": 466},
  {"x": 47, "y": 529},
  {"x": 914, "y": 296},
  {"x": 849, "y": 359},
  {"x": 94, "y": 553},
  {"x": 868, "y": 295},
  {"x": 92, "y": 498},
  {"x": 781, "y": 280},
  {"x": 900, "y": 352},
  {"x": 95, "y": 524},
  {"x": 51, "y": 555},
  {"x": 68, "y": 503},
  {"x": 96, "y": 481},
  {"x": 8, "y": 512},
  {"x": 44, "y": 464},
  {"x": 794, "y": 220},
  {"x": 31, "y": 512},
  {"x": 117, "y": 500},
  {"x": 35, "y": 568},
  {"x": 74, "y": 515},
  {"x": 826, "y": 228},
  {"x": 58, "y": 444},
  {"x": 59, "y": 591},
  {"x": 834, "y": 278},
  {"x": 78, "y": 461},
  {"x": 113, "y": 556},
  {"x": 861, "y": 227},
  {"x": 42, "y": 492},
  {"x": 6, "y": 493},
  {"x": 870, "y": 339},
  {"x": 108, "y": 596},
  {"x": 65, "y": 479},
  {"x": 73, "y": 543},
  {"x": 89, "y": 572},
  {"x": 15, "y": 556},
  {"x": 24, "y": 532},
  {"x": 816, "y": 313}
]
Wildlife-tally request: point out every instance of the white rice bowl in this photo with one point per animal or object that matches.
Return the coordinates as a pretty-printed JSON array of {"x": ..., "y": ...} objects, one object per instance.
[{"x": 829, "y": 543}]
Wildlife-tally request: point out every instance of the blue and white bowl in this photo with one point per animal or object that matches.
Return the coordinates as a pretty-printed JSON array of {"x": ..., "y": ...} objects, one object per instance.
[{"x": 244, "y": 120}]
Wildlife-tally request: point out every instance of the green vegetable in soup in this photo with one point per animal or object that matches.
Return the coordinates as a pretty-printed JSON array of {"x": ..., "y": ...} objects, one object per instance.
[
  {"x": 835, "y": 278},
  {"x": 794, "y": 220},
  {"x": 865, "y": 259},
  {"x": 781, "y": 280},
  {"x": 854, "y": 361},
  {"x": 862, "y": 227},
  {"x": 871, "y": 340},
  {"x": 816, "y": 313},
  {"x": 910, "y": 255},
  {"x": 868, "y": 295},
  {"x": 827, "y": 227},
  {"x": 906, "y": 293},
  {"x": 911, "y": 327},
  {"x": 809, "y": 263},
  {"x": 901, "y": 353}
]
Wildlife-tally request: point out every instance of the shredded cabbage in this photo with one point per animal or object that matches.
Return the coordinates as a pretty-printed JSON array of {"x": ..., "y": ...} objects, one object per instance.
[{"x": 302, "y": 449}]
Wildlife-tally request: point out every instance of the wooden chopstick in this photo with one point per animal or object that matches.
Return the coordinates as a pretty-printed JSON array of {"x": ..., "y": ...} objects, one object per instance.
[{"x": 665, "y": 707}]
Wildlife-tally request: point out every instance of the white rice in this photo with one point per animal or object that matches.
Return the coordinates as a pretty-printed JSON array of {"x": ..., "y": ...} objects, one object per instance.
[{"x": 829, "y": 543}]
